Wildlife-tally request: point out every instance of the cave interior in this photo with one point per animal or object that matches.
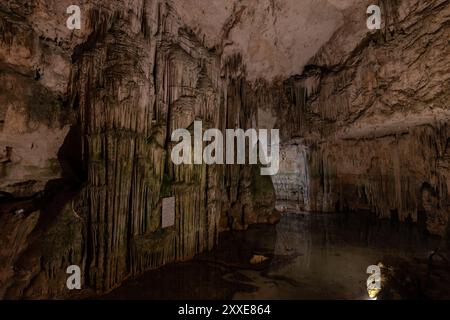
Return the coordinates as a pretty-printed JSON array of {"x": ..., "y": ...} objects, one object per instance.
[{"x": 91, "y": 94}]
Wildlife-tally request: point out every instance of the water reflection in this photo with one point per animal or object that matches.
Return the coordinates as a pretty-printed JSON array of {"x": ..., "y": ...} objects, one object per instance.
[{"x": 310, "y": 256}]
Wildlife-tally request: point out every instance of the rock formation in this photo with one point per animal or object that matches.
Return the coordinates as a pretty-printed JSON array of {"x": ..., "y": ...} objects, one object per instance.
[
  {"x": 373, "y": 120},
  {"x": 86, "y": 125},
  {"x": 86, "y": 118}
]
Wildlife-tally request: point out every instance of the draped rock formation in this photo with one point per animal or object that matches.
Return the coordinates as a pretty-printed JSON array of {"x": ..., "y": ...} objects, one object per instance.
[
  {"x": 373, "y": 120},
  {"x": 103, "y": 132},
  {"x": 86, "y": 118}
]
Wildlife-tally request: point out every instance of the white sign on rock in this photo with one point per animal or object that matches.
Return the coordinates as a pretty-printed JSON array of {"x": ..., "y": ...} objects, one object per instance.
[{"x": 168, "y": 212}]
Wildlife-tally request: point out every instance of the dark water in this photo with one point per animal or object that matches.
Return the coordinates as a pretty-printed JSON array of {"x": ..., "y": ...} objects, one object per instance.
[{"x": 310, "y": 256}]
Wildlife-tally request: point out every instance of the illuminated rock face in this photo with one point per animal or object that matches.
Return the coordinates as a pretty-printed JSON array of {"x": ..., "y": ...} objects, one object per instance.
[
  {"x": 367, "y": 117},
  {"x": 275, "y": 37},
  {"x": 374, "y": 120},
  {"x": 131, "y": 76}
]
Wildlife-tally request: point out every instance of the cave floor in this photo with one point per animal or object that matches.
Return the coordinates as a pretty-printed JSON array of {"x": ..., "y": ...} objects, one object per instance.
[{"x": 310, "y": 256}]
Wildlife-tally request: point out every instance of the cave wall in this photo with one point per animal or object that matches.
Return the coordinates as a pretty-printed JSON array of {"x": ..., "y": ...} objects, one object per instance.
[
  {"x": 133, "y": 75},
  {"x": 291, "y": 183},
  {"x": 374, "y": 118}
]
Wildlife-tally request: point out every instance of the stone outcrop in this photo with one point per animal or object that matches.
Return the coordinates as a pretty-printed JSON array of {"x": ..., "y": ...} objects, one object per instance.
[
  {"x": 374, "y": 119},
  {"x": 97, "y": 110}
]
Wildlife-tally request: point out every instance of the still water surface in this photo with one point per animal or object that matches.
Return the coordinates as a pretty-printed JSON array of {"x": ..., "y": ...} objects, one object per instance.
[{"x": 310, "y": 256}]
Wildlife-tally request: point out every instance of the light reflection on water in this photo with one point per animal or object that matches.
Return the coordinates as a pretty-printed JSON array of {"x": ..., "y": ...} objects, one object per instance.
[{"x": 311, "y": 256}]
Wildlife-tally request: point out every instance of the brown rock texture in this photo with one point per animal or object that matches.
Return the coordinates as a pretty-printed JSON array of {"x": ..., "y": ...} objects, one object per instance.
[
  {"x": 86, "y": 118},
  {"x": 96, "y": 110},
  {"x": 373, "y": 121}
]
